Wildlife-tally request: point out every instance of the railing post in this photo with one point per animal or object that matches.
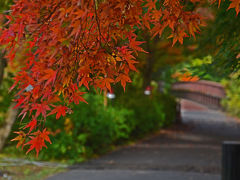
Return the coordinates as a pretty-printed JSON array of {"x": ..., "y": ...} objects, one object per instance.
[
  {"x": 231, "y": 160},
  {"x": 178, "y": 112}
]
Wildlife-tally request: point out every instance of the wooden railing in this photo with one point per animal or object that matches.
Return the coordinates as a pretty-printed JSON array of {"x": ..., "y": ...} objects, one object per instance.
[{"x": 207, "y": 93}]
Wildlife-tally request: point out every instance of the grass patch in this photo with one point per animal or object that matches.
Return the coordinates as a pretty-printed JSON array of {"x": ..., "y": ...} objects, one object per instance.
[{"x": 28, "y": 172}]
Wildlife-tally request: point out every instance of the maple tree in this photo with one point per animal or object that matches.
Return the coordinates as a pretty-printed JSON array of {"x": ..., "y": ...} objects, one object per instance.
[{"x": 69, "y": 44}]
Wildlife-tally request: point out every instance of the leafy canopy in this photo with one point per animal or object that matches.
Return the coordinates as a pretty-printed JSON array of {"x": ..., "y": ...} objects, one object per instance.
[{"x": 70, "y": 44}]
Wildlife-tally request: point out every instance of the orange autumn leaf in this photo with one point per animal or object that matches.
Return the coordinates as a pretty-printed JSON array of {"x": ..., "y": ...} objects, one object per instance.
[
  {"x": 123, "y": 79},
  {"x": 235, "y": 5},
  {"x": 151, "y": 4},
  {"x": 20, "y": 138}
]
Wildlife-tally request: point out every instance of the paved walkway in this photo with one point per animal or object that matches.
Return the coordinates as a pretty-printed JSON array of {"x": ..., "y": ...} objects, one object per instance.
[{"x": 188, "y": 152}]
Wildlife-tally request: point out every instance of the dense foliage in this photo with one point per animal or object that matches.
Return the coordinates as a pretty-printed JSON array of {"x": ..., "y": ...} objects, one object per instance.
[
  {"x": 195, "y": 69},
  {"x": 91, "y": 129},
  {"x": 4, "y": 5},
  {"x": 68, "y": 44},
  {"x": 150, "y": 112},
  {"x": 221, "y": 40},
  {"x": 232, "y": 101},
  {"x": 5, "y": 99}
]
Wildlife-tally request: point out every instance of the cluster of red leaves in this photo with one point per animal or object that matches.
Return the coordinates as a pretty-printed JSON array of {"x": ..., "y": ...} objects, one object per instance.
[
  {"x": 185, "y": 77},
  {"x": 37, "y": 139},
  {"x": 235, "y": 4},
  {"x": 69, "y": 44}
]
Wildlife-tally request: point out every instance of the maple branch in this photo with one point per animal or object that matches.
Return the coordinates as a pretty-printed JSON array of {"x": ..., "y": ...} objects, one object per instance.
[
  {"x": 52, "y": 12},
  {"x": 94, "y": 30},
  {"x": 7, "y": 12},
  {"x": 99, "y": 29},
  {"x": 97, "y": 20}
]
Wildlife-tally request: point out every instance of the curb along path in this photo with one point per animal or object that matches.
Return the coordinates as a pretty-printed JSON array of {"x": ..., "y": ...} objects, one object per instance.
[{"x": 189, "y": 152}]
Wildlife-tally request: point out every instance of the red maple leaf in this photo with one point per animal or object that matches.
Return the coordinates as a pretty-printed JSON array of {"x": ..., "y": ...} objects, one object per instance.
[
  {"x": 37, "y": 142},
  {"x": 123, "y": 78},
  {"x": 151, "y": 4},
  {"x": 135, "y": 45},
  {"x": 41, "y": 109},
  {"x": 77, "y": 97},
  {"x": 32, "y": 124},
  {"x": 104, "y": 82},
  {"x": 45, "y": 136},
  {"x": 60, "y": 110},
  {"x": 50, "y": 76}
]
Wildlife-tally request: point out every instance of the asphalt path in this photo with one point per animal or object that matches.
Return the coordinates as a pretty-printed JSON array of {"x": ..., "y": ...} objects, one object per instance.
[{"x": 191, "y": 151}]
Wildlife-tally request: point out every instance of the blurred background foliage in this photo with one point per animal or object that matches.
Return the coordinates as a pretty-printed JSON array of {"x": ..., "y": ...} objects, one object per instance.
[
  {"x": 4, "y": 5},
  {"x": 221, "y": 39},
  {"x": 94, "y": 129},
  {"x": 232, "y": 101},
  {"x": 196, "y": 67},
  {"x": 5, "y": 98}
]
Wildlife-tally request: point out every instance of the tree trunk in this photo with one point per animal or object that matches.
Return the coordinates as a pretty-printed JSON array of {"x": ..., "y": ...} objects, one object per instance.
[
  {"x": 5, "y": 129},
  {"x": 147, "y": 77},
  {"x": 148, "y": 69},
  {"x": 2, "y": 66}
]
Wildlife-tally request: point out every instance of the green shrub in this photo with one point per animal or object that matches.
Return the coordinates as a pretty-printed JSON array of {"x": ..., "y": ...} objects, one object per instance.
[
  {"x": 232, "y": 101},
  {"x": 90, "y": 129},
  {"x": 5, "y": 98},
  {"x": 150, "y": 112}
]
